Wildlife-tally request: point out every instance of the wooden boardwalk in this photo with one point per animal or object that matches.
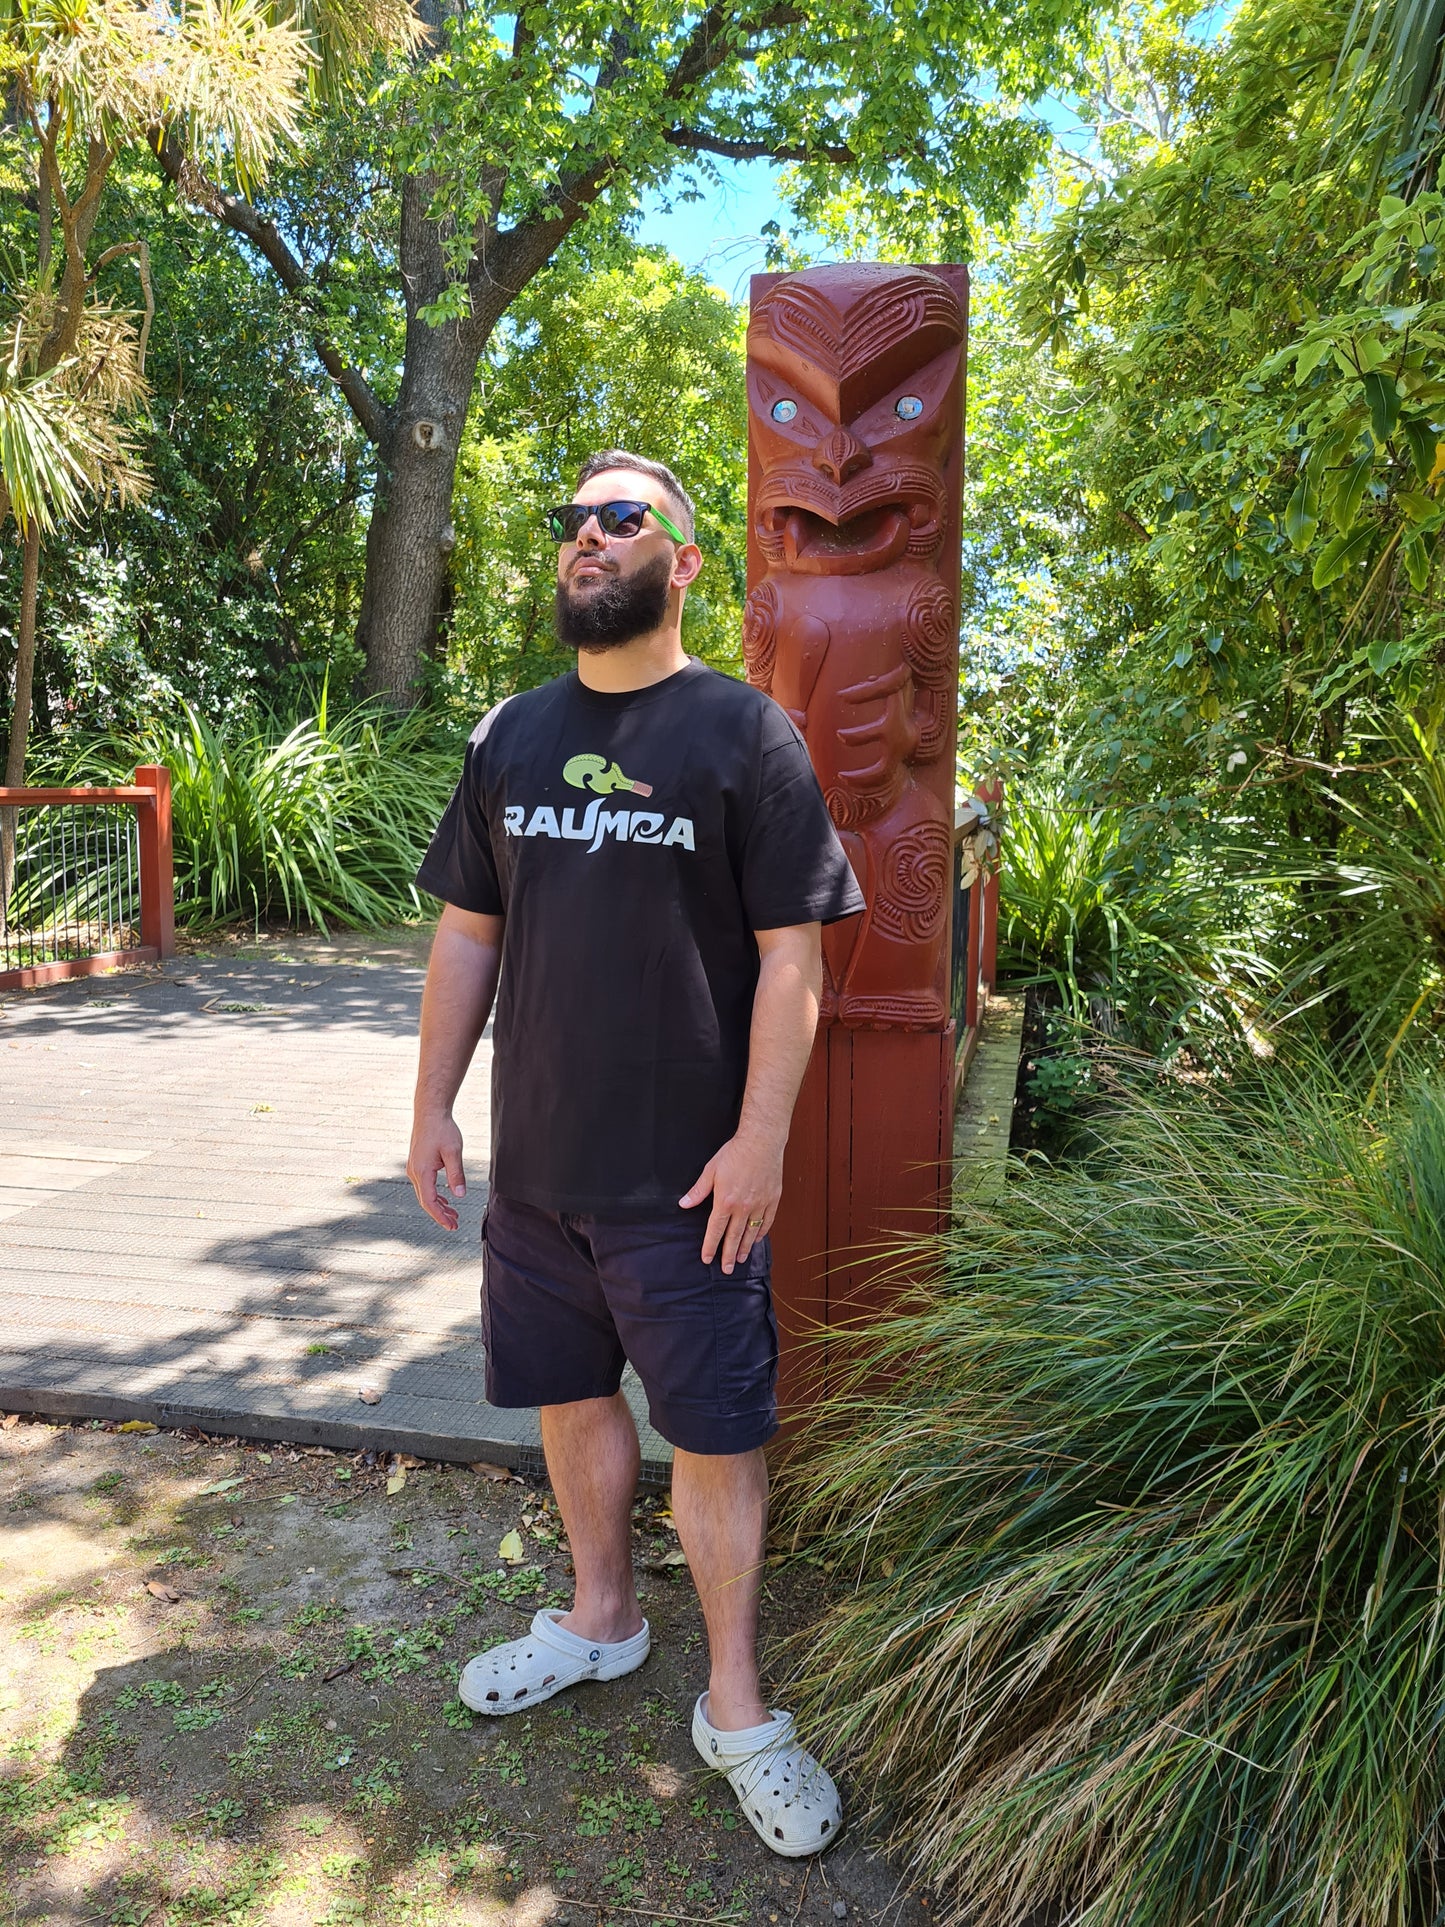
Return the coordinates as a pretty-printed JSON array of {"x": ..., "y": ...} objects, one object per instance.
[
  {"x": 205, "y": 1218},
  {"x": 204, "y": 1213},
  {"x": 985, "y": 1110}
]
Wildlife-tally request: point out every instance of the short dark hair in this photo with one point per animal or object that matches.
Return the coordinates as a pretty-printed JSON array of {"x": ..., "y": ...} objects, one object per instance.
[{"x": 676, "y": 494}]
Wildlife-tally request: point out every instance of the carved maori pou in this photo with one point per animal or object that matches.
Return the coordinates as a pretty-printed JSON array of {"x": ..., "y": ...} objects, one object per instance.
[{"x": 855, "y": 400}]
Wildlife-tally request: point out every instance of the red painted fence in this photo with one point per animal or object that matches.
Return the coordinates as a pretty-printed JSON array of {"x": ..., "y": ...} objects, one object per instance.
[{"x": 80, "y": 883}]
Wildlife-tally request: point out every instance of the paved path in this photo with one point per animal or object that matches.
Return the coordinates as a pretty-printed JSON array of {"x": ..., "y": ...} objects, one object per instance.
[
  {"x": 204, "y": 1214},
  {"x": 985, "y": 1110}
]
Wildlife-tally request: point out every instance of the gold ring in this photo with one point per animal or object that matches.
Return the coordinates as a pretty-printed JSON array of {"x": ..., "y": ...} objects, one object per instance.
[{"x": 756, "y": 1223}]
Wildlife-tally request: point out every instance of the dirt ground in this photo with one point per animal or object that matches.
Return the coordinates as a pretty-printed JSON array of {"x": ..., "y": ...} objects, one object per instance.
[{"x": 227, "y": 1694}]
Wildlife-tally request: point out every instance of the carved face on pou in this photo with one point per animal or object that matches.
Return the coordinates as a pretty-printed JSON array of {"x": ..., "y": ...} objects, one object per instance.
[{"x": 853, "y": 393}]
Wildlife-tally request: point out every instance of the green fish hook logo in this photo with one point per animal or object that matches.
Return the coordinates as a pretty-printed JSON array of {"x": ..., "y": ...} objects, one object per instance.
[{"x": 592, "y": 773}]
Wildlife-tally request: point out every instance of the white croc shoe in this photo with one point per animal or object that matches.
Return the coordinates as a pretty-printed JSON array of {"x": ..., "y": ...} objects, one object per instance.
[
  {"x": 787, "y": 1797},
  {"x": 510, "y": 1678}
]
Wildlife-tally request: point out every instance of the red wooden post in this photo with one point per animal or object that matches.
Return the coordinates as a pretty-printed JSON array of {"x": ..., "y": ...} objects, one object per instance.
[
  {"x": 855, "y": 459},
  {"x": 157, "y": 867}
]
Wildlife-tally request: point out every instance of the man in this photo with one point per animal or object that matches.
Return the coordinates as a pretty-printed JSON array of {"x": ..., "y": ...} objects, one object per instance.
[{"x": 641, "y": 853}]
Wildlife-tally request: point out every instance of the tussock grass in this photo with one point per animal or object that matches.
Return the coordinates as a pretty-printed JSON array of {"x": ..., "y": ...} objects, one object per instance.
[
  {"x": 1147, "y": 1526},
  {"x": 317, "y": 819}
]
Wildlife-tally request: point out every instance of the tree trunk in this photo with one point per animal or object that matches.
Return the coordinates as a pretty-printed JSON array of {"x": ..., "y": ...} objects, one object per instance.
[
  {"x": 20, "y": 714},
  {"x": 410, "y": 538}
]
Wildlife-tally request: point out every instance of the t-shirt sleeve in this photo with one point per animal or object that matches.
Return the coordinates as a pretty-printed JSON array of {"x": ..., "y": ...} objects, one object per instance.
[
  {"x": 794, "y": 868},
  {"x": 459, "y": 866}
]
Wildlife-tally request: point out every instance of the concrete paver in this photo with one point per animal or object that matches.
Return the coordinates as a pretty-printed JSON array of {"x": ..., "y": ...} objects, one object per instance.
[
  {"x": 204, "y": 1213},
  {"x": 985, "y": 1108}
]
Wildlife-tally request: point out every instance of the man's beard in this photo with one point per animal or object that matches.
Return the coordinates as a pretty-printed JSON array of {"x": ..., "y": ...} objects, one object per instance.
[{"x": 623, "y": 608}]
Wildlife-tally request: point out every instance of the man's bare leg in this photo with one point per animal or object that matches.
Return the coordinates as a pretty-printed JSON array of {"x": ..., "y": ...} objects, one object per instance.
[
  {"x": 593, "y": 1459},
  {"x": 720, "y": 1504}
]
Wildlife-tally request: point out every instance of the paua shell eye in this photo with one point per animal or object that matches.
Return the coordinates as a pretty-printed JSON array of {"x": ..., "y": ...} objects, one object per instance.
[
  {"x": 908, "y": 408},
  {"x": 784, "y": 411}
]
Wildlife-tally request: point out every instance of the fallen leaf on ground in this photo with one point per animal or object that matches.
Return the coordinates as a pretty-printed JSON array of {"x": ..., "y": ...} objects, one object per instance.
[
  {"x": 158, "y": 1591},
  {"x": 335, "y": 1672},
  {"x": 13, "y": 1418},
  {"x": 395, "y": 1483},
  {"x": 512, "y": 1550},
  {"x": 407, "y": 1462},
  {"x": 264, "y": 1457},
  {"x": 498, "y": 1473},
  {"x": 220, "y": 1485},
  {"x": 136, "y": 1425},
  {"x": 369, "y": 1395},
  {"x": 667, "y": 1563}
]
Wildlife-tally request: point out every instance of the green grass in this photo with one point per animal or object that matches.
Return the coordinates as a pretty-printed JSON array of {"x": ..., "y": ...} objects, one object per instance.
[
  {"x": 318, "y": 819},
  {"x": 1145, "y": 1520}
]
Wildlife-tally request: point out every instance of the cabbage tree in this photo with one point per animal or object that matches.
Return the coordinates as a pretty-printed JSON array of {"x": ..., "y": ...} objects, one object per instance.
[{"x": 226, "y": 83}]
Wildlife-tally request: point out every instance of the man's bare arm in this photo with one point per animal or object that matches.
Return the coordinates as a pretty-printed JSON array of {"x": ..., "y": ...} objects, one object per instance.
[
  {"x": 745, "y": 1177},
  {"x": 461, "y": 980}
]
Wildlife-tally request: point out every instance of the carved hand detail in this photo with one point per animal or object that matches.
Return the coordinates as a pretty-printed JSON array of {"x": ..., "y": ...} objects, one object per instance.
[{"x": 894, "y": 729}]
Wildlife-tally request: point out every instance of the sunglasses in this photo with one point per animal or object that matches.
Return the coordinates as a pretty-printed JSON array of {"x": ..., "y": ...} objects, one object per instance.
[{"x": 565, "y": 524}]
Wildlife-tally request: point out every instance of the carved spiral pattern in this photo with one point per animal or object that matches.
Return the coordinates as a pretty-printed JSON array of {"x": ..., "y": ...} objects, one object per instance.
[
  {"x": 851, "y": 809},
  {"x": 760, "y": 634},
  {"x": 930, "y": 634},
  {"x": 913, "y": 884}
]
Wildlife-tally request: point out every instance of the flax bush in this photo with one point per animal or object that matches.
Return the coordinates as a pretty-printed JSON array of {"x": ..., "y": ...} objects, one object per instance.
[
  {"x": 1146, "y": 1527},
  {"x": 316, "y": 819},
  {"x": 1116, "y": 931}
]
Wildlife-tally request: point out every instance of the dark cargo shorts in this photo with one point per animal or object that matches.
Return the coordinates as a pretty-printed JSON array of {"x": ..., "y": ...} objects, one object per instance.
[{"x": 568, "y": 1299}]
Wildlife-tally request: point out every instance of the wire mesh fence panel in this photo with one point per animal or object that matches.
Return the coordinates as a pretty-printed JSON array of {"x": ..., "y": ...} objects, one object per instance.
[{"x": 69, "y": 882}]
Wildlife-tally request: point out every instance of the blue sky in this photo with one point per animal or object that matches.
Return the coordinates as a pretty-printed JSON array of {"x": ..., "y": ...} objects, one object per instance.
[{"x": 720, "y": 234}]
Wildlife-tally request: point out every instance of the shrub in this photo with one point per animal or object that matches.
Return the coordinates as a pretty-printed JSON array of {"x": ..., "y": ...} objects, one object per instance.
[
  {"x": 317, "y": 819},
  {"x": 1371, "y": 917},
  {"x": 1120, "y": 935},
  {"x": 1146, "y": 1519}
]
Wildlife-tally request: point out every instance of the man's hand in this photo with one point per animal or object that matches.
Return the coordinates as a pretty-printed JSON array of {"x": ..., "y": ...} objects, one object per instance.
[
  {"x": 745, "y": 1181},
  {"x": 436, "y": 1145},
  {"x": 466, "y": 956}
]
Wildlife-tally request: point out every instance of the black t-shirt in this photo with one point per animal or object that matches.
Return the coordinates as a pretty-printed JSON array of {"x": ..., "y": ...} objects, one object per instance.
[{"x": 634, "y": 843}]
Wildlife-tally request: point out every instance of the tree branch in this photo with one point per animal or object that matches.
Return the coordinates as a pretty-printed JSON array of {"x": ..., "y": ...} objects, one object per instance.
[
  {"x": 141, "y": 251},
  {"x": 698, "y": 142},
  {"x": 237, "y": 213},
  {"x": 502, "y": 264}
]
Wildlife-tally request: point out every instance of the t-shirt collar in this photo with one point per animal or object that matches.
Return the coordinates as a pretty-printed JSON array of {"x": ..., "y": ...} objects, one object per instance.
[{"x": 631, "y": 698}]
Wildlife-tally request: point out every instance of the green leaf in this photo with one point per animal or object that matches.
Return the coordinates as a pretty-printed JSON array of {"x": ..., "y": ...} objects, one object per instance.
[
  {"x": 1370, "y": 351},
  {"x": 1419, "y": 508},
  {"x": 1422, "y": 446},
  {"x": 1302, "y": 515},
  {"x": 1309, "y": 358},
  {"x": 1348, "y": 492},
  {"x": 1384, "y": 398},
  {"x": 1384, "y": 654},
  {"x": 1340, "y": 554},
  {"x": 1421, "y": 437},
  {"x": 1419, "y": 554}
]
